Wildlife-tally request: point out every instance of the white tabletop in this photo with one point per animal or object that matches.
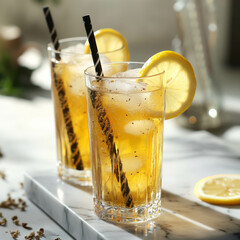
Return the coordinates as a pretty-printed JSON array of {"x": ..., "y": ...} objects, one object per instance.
[{"x": 27, "y": 141}]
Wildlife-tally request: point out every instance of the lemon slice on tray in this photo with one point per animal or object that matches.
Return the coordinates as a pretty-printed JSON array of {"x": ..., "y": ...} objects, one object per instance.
[
  {"x": 179, "y": 80},
  {"x": 219, "y": 189},
  {"x": 111, "y": 43}
]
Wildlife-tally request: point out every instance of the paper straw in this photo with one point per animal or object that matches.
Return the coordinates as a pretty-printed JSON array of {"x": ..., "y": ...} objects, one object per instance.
[
  {"x": 76, "y": 156},
  {"x": 104, "y": 120}
]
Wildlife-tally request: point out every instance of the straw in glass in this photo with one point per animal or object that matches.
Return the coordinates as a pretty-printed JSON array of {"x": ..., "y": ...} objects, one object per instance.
[
  {"x": 104, "y": 120},
  {"x": 76, "y": 156}
]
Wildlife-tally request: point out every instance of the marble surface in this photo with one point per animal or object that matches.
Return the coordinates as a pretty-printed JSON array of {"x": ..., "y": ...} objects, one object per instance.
[
  {"x": 187, "y": 159},
  {"x": 27, "y": 141}
]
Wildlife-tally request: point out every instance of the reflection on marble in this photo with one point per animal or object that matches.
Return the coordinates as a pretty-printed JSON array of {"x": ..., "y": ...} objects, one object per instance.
[
  {"x": 70, "y": 206},
  {"x": 187, "y": 159}
]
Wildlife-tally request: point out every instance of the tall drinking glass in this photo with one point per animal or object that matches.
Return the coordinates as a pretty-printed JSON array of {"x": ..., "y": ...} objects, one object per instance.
[
  {"x": 69, "y": 97},
  {"x": 126, "y": 115}
]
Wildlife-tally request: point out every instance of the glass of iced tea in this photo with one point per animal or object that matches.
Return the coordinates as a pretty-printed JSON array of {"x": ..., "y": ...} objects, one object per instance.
[
  {"x": 69, "y": 97},
  {"x": 126, "y": 118}
]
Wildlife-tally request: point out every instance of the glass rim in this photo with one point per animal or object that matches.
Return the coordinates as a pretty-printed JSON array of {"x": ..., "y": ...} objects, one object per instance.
[
  {"x": 112, "y": 78},
  {"x": 75, "y": 39}
]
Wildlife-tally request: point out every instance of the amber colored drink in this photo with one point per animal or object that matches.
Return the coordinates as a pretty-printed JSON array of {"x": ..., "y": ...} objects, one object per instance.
[
  {"x": 126, "y": 135},
  {"x": 70, "y": 105},
  {"x": 69, "y": 96}
]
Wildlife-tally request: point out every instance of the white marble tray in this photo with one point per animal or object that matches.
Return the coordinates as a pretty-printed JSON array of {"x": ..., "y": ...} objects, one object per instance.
[{"x": 183, "y": 216}]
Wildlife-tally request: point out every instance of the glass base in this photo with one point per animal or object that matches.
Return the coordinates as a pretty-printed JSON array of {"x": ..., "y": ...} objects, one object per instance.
[
  {"x": 127, "y": 215},
  {"x": 76, "y": 177}
]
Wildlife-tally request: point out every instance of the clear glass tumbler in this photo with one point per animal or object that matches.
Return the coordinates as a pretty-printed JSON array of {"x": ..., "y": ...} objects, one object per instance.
[
  {"x": 126, "y": 115},
  {"x": 69, "y": 97},
  {"x": 197, "y": 41}
]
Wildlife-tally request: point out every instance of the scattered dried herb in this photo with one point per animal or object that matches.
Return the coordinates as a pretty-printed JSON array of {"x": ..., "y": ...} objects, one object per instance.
[
  {"x": 15, "y": 220},
  {"x": 25, "y": 225},
  {"x": 40, "y": 232},
  {"x": 3, "y": 222},
  {"x": 2, "y": 175},
  {"x": 15, "y": 234},
  {"x": 11, "y": 203},
  {"x": 34, "y": 236},
  {"x": 31, "y": 236}
]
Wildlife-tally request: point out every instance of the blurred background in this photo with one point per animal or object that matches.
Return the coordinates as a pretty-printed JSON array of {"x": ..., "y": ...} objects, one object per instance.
[
  {"x": 148, "y": 26},
  {"x": 204, "y": 31}
]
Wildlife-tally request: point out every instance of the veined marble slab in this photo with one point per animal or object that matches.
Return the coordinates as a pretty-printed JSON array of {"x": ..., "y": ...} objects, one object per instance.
[{"x": 188, "y": 158}]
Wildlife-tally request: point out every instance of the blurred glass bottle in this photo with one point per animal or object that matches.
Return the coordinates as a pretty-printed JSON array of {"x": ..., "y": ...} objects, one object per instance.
[{"x": 196, "y": 40}]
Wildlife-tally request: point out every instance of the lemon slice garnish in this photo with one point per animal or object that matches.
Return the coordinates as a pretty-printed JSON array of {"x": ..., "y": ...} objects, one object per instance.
[
  {"x": 111, "y": 43},
  {"x": 219, "y": 189},
  {"x": 179, "y": 80}
]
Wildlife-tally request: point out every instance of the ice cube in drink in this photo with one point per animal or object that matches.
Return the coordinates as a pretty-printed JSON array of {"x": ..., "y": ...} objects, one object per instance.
[
  {"x": 69, "y": 94},
  {"x": 137, "y": 129}
]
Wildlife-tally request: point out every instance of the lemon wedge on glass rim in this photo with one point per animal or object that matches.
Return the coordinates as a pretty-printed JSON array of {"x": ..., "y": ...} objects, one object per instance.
[
  {"x": 110, "y": 43},
  {"x": 179, "y": 80},
  {"x": 219, "y": 189}
]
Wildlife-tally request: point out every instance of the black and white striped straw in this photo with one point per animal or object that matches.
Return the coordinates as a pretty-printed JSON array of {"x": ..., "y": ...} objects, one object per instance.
[
  {"x": 93, "y": 45},
  {"x": 52, "y": 30},
  {"x": 59, "y": 85},
  {"x": 104, "y": 120}
]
